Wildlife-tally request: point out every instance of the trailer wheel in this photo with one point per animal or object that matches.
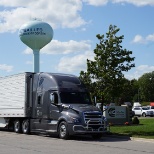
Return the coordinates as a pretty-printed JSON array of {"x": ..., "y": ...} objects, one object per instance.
[
  {"x": 17, "y": 126},
  {"x": 63, "y": 130},
  {"x": 25, "y": 127}
]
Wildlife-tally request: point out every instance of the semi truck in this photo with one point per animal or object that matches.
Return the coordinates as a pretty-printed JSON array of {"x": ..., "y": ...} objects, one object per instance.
[{"x": 50, "y": 103}]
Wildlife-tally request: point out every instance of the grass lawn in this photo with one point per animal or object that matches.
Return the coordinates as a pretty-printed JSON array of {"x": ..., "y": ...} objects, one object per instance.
[{"x": 145, "y": 129}]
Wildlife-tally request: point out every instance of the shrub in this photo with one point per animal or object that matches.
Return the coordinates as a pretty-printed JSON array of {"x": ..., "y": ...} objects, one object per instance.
[
  {"x": 135, "y": 120},
  {"x": 111, "y": 124}
]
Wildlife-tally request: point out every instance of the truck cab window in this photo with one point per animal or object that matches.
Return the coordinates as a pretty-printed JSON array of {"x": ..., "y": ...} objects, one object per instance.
[
  {"x": 54, "y": 98},
  {"x": 75, "y": 98}
]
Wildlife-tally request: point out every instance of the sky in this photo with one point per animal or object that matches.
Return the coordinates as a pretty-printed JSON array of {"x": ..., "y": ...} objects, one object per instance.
[{"x": 75, "y": 24}]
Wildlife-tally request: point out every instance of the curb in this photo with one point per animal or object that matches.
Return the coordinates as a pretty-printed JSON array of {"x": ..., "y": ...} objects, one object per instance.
[
  {"x": 131, "y": 138},
  {"x": 142, "y": 139}
]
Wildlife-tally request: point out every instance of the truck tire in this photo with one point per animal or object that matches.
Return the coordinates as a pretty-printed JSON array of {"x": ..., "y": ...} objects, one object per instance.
[
  {"x": 63, "y": 130},
  {"x": 25, "y": 127},
  {"x": 96, "y": 136},
  {"x": 144, "y": 114},
  {"x": 17, "y": 126}
]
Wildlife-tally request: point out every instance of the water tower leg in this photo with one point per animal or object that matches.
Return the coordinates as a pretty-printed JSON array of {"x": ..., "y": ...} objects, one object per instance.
[{"x": 36, "y": 61}]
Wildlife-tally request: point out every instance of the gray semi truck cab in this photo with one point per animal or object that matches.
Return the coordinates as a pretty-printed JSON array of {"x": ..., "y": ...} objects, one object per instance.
[{"x": 59, "y": 104}]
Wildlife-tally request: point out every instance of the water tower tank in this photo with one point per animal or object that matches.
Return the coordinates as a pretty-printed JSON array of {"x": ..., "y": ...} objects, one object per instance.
[{"x": 36, "y": 34}]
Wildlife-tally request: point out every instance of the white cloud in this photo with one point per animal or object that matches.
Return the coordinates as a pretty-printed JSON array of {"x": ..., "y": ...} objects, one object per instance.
[
  {"x": 139, "y": 71},
  {"x": 57, "y": 47},
  {"x": 143, "y": 40},
  {"x": 139, "y": 39},
  {"x": 28, "y": 51},
  {"x": 76, "y": 63},
  {"x": 7, "y": 68},
  {"x": 12, "y": 20},
  {"x": 134, "y": 2},
  {"x": 70, "y": 64},
  {"x": 96, "y": 2},
  {"x": 150, "y": 37},
  {"x": 17, "y": 12}
]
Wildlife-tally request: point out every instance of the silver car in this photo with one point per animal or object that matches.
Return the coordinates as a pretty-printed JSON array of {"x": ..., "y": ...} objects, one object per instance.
[{"x": 142, "y": 111}]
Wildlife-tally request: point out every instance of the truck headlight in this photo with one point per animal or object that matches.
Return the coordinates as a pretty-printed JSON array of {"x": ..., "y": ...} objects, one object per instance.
[{"x": 74, "y": 120}]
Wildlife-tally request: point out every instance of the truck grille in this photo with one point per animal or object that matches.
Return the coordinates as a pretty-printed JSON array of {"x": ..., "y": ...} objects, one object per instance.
[{"x": 93, "y": 120}]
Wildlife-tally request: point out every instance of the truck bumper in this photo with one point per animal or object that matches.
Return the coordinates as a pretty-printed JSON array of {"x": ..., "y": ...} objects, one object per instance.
[{"x": 80, "y": 129}]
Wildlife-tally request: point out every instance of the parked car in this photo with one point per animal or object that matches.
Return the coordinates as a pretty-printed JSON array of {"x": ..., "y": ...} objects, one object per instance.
[
  {"x": 151, "y": 108},
  {"x": 142, "y": 111}
]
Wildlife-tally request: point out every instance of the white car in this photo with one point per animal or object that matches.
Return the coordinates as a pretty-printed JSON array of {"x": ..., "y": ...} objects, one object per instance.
[
  {"x": 151, "y": 108},
  {"x": 142, "y": 111}
]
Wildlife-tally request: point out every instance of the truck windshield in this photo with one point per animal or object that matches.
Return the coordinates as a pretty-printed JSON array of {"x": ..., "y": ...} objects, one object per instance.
[{"x": 75, "y": 98}]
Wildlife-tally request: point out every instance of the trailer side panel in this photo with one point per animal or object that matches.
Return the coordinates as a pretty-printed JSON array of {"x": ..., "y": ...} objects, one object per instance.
[{"x": 12, "y": 95}]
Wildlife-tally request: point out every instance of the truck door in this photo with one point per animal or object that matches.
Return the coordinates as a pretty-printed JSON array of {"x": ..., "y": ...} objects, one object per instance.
[
  {"x": 41, "y": 116},
  {"x": 39, "y": 106},
  {"x": 39, "y": 99},
  {"x": 55, "y": 110},
  {"x": 37, "y": 121}
]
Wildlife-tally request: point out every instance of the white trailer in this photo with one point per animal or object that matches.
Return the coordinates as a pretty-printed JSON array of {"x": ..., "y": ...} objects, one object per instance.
[{"x": 12, "y": 97}]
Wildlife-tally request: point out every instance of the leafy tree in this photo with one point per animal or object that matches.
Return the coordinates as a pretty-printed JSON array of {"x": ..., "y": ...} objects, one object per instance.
[
  {"x": 109, "y": 63},
  {"x": 91, "y": 85},
  {"x": 135, "y": 90},
  {"x": 146, "y": 87},
  {"x": 126, "y": 94}
]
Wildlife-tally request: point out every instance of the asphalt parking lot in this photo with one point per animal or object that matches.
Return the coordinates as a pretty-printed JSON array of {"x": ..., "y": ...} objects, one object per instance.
[{"x": 34, "y": 144}]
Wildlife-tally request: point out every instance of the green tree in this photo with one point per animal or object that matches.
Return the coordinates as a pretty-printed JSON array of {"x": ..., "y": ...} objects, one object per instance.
[
  {"x": 91, "y": 85},
  {"x": 109, "y": 63},
  {"x": 135, "y": 90},
  {"x": 146, "y": 87},
  {"x": 126, "y": 94}
]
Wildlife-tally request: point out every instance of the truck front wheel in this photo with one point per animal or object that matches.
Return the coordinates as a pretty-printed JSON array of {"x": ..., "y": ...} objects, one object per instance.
[
  {"x": 25, "y": 126},
  {"x": 63, "y": 130},
  {"x": 17, "y": 126}
]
